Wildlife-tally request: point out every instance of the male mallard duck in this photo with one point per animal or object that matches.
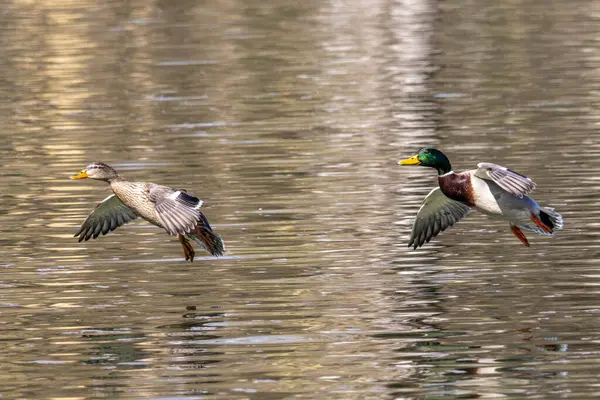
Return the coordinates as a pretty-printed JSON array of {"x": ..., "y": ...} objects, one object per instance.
[
  {"x": 490, "y": 189},
  {"x": 172, "y": 209}
]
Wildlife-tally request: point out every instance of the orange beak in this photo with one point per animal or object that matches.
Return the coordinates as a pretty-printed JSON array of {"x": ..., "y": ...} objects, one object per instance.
[{"x": 81, "y": 175}]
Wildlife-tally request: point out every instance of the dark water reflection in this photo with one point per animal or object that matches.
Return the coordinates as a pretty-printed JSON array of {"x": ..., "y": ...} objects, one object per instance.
[{"x": 287, "y": 119}]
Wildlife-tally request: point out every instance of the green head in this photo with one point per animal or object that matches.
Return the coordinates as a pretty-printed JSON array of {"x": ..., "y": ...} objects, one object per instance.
[{"x": 428, "y": 157}]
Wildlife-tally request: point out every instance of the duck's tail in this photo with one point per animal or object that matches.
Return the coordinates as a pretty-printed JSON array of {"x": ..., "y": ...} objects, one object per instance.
[
  {"x": 207, "y": 238},
  {"x": 546, "y": 223},
  {"x": 551, "y": 218}
]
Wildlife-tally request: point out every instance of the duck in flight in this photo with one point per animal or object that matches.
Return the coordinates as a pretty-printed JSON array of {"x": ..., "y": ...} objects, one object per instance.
[
  {"x": 172, "y": 209},
  {"x": 490, "y": 189}
]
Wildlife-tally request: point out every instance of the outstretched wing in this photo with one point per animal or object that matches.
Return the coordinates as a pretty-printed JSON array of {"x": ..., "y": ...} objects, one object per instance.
[
  {"x": 178, "y": 211},
  {"x": 437, "y": 213},
  {"x": 507, "y": 179},
  {"x": 106, "y": 217}
]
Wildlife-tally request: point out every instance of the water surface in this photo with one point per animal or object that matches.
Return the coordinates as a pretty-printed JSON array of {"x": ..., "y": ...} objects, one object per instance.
[{"x": 287, "y": 120}]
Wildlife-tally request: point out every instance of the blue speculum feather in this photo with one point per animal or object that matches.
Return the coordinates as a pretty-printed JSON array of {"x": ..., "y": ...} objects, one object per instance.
[{"x": 187, "y": 199}]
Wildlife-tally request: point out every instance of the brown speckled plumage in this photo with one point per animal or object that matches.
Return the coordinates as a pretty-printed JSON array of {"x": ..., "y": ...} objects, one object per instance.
[
  {"x": 135, "y": 196},
  {"x": 172, "y": 209}
]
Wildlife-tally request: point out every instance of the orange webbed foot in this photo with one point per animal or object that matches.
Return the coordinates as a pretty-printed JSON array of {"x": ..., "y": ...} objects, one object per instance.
[
  {"x": 540, "y": 224},
  {"x": 188, "y": 250},
  {"x": 519, "y": 234}
]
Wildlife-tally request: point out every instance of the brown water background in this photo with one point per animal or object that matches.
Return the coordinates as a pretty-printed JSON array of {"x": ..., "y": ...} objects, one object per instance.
[{"x": 287, "y": 118}]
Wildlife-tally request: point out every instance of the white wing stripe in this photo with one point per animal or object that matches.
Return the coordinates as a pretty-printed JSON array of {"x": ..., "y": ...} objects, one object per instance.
[{"x": 174, "y": 195}]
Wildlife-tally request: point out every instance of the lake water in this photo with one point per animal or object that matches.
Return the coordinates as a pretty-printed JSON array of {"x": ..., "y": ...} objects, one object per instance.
[{"x": 287, "y": 119}]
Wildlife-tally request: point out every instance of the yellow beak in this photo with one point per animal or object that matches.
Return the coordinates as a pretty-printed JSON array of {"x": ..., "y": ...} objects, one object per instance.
[
  {"x": 414, "y": 160},
  {"x": 81, "y": 175}
]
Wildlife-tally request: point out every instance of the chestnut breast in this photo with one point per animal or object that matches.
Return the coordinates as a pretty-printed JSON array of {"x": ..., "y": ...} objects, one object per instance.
[{"x": 458, "y": 187}]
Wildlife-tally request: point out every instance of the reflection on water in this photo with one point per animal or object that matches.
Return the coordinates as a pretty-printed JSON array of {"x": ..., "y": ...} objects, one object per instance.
[{"x": 287, "y": 120}]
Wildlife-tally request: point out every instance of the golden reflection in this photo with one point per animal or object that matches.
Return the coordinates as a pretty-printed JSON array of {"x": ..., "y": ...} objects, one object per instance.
[{"x": 287, "y": 118}]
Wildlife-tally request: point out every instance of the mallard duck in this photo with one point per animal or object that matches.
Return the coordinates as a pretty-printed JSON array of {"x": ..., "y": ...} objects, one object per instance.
[
  {"x": 490, "y": 189},
  {"x": 172, "y": 209}
]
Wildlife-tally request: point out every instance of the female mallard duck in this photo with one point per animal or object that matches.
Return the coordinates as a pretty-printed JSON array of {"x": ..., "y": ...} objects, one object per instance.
[
  {"x": 172, "y": 209},
  {"x": 490, "y": 189}
]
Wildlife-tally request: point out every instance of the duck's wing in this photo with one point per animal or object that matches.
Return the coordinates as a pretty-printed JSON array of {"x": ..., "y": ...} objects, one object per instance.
[
  {"x": 177, "y": 211},
  {"x": 437, "y": 213},
  {"x": 106, "y": 217},
  {"x": 507, "y": 179}
]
